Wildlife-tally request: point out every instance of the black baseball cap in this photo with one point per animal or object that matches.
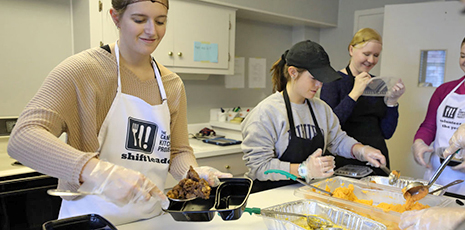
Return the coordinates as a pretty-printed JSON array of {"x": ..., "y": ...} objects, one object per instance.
[{"x": 312, "y": 57}]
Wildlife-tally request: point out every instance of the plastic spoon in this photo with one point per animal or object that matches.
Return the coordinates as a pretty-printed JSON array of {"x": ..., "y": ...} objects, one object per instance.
[
  {"x": 294, "y": 178},
  {"x": 416, "y": 188},
  {"x": 393, "y": 177},
  {"x": 314, "y": 222},
  {"x": 446, "y": 186}
]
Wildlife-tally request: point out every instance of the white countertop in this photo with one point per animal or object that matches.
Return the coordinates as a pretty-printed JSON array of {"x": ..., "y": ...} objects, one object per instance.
[{"x": 246, "y": 221}]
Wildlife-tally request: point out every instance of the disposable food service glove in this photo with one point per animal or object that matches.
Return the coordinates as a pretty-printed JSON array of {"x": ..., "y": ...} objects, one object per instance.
[
  {"x": 393, "y": 94},
  {"x": 211, "y": 175},
  {"x": 360, "y": 83},
  {"x": 367, "y": 153},
  {"x": 419, "y": 148},
  {"x": 456, "y": 142},
  {"x": 118, "y": 184},
  {"x": 443, "y": 218},
  {"x": 317, "y": 166}
]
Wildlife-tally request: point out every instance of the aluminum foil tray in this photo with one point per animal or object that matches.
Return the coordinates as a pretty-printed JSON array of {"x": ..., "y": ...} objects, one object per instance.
[
  {"x": 339, "y": 216},
  {"x": 367, "y": 191},
  {"x": 402, "y": 182}
]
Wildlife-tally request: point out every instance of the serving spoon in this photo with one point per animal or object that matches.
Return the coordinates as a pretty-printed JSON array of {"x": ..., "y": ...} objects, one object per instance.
[
  {"x": 393, "y": 177},
  {"x": 416, "y": 189},
  {"x": 60, "y": 192}
]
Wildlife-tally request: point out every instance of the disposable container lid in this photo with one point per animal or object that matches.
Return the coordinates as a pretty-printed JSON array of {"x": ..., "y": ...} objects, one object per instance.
[
  {"x": 379, "y": 86},
  {"x": 355, "y": 171}
]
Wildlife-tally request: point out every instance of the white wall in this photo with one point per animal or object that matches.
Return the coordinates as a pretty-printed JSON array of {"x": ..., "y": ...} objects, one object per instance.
[
  {"x": 36, "y": 36},
  {"x": 336, "y": 40},
  {"x": 408, "y": 29}
]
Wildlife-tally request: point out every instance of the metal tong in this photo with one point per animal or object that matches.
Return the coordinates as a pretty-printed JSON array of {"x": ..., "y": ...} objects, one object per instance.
[{"x": 295, "y": 178}]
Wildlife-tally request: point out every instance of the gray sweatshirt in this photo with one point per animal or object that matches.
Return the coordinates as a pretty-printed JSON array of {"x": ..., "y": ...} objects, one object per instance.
[{"x": 265, "y": 133}]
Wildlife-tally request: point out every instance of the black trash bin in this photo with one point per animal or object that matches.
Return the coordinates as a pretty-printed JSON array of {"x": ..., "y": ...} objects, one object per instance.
[{"x": 84, "y": 222}]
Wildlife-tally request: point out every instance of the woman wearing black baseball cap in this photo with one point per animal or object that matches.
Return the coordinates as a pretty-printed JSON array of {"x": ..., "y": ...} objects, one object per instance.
[{"x": 290, "y": 129}]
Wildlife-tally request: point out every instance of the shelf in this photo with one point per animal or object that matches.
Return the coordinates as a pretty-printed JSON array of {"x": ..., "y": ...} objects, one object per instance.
[{"x": 226, "y": 125}]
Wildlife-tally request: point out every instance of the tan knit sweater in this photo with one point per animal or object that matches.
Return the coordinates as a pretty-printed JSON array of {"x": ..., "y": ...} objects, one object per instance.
[{"x": 75, "y": 99}]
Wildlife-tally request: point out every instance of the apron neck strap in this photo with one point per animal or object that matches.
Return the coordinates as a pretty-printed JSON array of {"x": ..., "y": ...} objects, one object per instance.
[{"x": 155, "y": 70}]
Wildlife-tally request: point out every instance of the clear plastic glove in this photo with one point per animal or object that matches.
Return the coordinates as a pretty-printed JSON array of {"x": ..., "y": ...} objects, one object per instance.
[
  {"x": 456, "y": 142},
  {"x": 211, "y": 175},
  {"x": 393, "y": 94},
  {"x": 118, "y": 184},
  {"x": 443, "y": 218},
  {"x": 360, "y": 83},
  {"x": 419, "y": 148},
  {"x": 317, "y": 166},
  {"x": 370, "y": 154}
]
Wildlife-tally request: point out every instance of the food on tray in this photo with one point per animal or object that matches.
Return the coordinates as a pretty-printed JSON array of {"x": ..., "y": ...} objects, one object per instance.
[
  {"x": 191, "y": 186},
  {"x": 396, "y": 173},
  {"x": 348, "y": 194},
  {"x": 302, "y": 222}
]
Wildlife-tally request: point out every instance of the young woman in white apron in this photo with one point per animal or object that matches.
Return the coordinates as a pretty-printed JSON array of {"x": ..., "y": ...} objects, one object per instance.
[
  {"x": 126, "y": 112},
  {"x": 446, "y": 125}
]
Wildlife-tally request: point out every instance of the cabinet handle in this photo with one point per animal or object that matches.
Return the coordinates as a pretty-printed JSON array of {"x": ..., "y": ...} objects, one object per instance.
[
  {"x": 170, "y": 53},
  {"x": 227, "y": 167},
  {"x": 180, "y": 54}
]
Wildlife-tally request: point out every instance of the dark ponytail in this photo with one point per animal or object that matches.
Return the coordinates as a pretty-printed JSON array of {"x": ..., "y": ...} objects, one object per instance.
[{"x": 279, "y": 74}]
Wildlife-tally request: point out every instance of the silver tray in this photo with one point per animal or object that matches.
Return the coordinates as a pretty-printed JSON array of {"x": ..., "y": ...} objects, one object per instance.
[
  {"x": 402, "y": 182},
  {"x": 338, "y": 216}
]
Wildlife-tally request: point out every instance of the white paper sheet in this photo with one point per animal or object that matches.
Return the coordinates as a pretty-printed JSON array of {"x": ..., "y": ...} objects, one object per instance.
[
  {"x": 237, "y": 80},
  {"x": 257, "y": 72}
]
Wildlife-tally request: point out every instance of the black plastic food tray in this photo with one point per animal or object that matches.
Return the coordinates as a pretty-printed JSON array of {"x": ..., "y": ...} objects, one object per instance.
[
  {"x": 84, "y": 222},
  {"x": 228, "y": 199}
]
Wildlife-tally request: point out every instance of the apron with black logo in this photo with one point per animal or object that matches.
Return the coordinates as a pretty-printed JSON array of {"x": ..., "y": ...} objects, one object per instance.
[
  {"x": 135, "y": 135},
  {"x": 450, "y": 115}
]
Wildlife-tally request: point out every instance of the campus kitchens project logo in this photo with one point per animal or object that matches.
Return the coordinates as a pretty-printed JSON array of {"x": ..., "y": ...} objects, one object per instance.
[
  {"x": 142, "y": 136},
  {"x": 449, "y": 112}
]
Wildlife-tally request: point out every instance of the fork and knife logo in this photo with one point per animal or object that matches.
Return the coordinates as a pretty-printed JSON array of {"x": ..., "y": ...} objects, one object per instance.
[{"x": 141, "y": 135}]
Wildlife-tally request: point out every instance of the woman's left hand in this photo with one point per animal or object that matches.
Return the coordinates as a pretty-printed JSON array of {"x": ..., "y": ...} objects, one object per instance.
[
  {"x": 211, "y": 175},
  {"x": 394, "y": 94}
]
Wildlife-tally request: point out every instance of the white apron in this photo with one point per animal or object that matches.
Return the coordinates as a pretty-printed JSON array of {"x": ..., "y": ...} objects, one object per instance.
[
  {"x": 135, "y": 135},
  {"x": 450, "y": 115}
]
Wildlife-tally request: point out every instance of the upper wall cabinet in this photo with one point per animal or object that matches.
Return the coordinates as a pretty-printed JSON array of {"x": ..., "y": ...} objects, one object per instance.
[{"x": 199, "y": 37}]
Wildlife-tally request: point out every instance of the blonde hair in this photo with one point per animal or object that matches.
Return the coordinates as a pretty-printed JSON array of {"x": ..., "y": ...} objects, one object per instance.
[{"x": 363, "y": 36}]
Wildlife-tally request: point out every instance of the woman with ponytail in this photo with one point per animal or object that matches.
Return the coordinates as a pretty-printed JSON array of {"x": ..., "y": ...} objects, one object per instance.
[{"x": 290, "y": 129}]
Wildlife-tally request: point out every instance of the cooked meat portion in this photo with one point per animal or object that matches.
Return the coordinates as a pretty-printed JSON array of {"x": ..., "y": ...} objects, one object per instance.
[{"x": 191, "y": 186}]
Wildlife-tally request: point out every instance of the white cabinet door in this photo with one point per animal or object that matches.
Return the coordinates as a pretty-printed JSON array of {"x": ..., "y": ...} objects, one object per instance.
[{"x": 189, "y": 23}]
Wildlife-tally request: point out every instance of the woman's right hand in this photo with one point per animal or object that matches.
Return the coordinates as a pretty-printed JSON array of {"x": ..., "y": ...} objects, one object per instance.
[
  {"x": 419, "y": 148},
  {"x": 118, "y": 184},
  {"x": 317, "y": 166},
  {"x": 360, "y": 83}
]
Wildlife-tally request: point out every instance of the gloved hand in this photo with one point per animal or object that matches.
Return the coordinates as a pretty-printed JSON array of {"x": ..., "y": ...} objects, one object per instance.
[
  {"x": 393, "y": 94},
  {"x": 317, "y": 166},
  {"x": 360, "y": 83},
  {"x": 118, "y": 184},
  {"x": 211, "y": 175},
  {"x": 419, "y": 148},
  {"x": 444, "y": 218},
  {"x": 370, "y": 154},
  {"x": 456, "y": 142}
]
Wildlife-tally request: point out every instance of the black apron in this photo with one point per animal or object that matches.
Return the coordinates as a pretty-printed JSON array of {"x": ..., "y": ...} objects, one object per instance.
[
  {"x": 364, "y": 125},
  {"x": 298, "y": 149}
]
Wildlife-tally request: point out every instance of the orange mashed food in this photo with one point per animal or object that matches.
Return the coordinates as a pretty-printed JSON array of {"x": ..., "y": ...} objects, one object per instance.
[{"x": 348, "y": 194}]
